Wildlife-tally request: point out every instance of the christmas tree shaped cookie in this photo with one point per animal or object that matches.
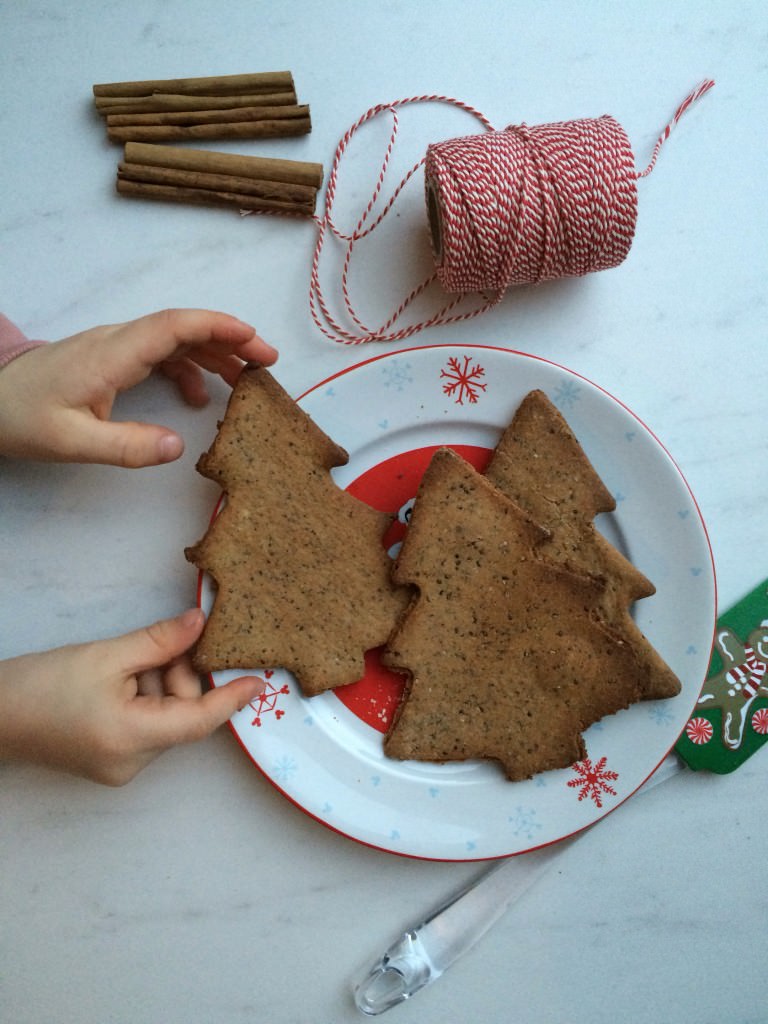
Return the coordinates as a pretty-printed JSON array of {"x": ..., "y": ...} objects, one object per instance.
[
  {"x": 505, "y": 653},
  {"x": 303, "y": 580},
  {"x": 540, "y": 464}
]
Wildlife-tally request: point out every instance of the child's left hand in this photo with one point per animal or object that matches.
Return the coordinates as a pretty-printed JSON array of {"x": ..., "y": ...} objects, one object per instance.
[{"x": 105, "y": 709}]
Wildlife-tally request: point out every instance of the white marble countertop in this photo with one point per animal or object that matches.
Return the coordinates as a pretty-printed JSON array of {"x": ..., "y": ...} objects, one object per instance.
[{"x": 197, "y": 893}]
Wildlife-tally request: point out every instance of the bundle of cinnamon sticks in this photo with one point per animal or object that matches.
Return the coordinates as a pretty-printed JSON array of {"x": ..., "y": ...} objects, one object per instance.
[
  {"x": 181, "y": 175},
  {"x": 250, "y": 106},
  {"x": 146, "y": 114}
]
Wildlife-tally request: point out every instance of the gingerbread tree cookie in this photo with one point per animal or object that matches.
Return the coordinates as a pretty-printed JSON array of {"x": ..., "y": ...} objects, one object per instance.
[
  {"x": 504, "y": 652},
  {"x": 303, "y": 581},
  {"x": 540, "y": 464}
]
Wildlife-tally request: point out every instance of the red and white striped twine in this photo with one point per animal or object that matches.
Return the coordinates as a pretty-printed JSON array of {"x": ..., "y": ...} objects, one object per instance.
[{"x": 518, "y": 206}]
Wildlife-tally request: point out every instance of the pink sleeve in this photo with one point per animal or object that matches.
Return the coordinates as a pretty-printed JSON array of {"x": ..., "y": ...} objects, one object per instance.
[{"x": 12, "y": 342}]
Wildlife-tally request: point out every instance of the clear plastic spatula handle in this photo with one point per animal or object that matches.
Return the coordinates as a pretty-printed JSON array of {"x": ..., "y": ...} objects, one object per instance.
[{"x": 425, "y": 951}]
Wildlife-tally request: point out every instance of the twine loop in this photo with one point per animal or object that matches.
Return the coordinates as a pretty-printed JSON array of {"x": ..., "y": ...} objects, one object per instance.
[{"x": 512, "y": 207}]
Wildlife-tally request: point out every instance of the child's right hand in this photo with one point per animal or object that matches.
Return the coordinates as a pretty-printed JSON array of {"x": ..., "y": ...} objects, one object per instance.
[{"x": 56, "y": 400}]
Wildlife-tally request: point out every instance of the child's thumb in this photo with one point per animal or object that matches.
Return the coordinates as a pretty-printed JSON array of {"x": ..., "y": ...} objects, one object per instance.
[
  {"x": 131, "y": 445},
  {"x": 186, "y": 721}
]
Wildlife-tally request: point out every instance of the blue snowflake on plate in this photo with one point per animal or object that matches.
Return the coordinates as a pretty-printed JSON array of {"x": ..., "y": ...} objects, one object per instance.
[
  {"x": 397, "y": 374},
  {"x": 284, "y": 769},
  {"x": 567, "y": 394},
  {"x": 524, "y": 822},
  {"x": 660, "y": 714}
]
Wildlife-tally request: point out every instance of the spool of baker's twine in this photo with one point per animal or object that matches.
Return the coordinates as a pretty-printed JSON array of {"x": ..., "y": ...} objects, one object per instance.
[{"x": 517, "y": 206}]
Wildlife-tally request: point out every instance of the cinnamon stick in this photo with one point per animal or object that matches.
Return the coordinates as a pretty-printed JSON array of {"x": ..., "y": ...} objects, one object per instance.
[
  {"x": 265, "y": 81},
  {"x": 192, "y": 117},
  {"x": 238, "y": 130},
  {"x": 159, "y": 101},
  {"x": 303, "y": 195},
  {"x": 297, "y": 172},
  {"x": 207, "y": 197},
  {"x": 218, "y": 107}
]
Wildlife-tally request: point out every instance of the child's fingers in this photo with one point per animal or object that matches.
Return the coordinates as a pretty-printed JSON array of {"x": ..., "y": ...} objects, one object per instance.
[
  {"x": 218, "y": 360},
  {"x": 181, "y": 680},
  {"x": 186, "y": 721},
  {"x": 151, "y": 339},
  {"x": 150, "y": 683},
  {"x": 188, "y": 378},
  {"x": 258, "y": 351},
  {"x": 157, "y": 645}
]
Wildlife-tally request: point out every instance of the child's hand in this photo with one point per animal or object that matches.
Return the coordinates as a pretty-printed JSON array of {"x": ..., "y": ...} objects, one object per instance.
[
  {"x": 104, "y": 710},
  {"x": 56, "y": 400}
]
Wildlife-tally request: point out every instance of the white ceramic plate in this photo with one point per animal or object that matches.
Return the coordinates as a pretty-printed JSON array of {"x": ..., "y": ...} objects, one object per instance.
[{"x": 325, "y": 753}]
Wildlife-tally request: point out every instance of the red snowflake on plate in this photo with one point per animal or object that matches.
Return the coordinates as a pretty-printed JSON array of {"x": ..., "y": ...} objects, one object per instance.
[
  {"x": 592, "y": 780},
  {"x": 699, "y": 731},
  {"x": 760, "y": 722},
  {"x": 267, "y": 699},
  {"x": 463, "y": 379}
]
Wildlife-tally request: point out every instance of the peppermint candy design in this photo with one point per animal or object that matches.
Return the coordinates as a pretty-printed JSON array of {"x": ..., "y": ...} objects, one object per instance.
[{"x": 699, "y": 730}]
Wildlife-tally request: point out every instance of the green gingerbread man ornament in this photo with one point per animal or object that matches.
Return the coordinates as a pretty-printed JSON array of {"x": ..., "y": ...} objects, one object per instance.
[{"x": 730, "y": 720}]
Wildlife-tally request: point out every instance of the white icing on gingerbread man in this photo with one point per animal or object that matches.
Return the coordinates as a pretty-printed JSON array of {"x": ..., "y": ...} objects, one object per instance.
[{"x": 742, "y": 680}]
